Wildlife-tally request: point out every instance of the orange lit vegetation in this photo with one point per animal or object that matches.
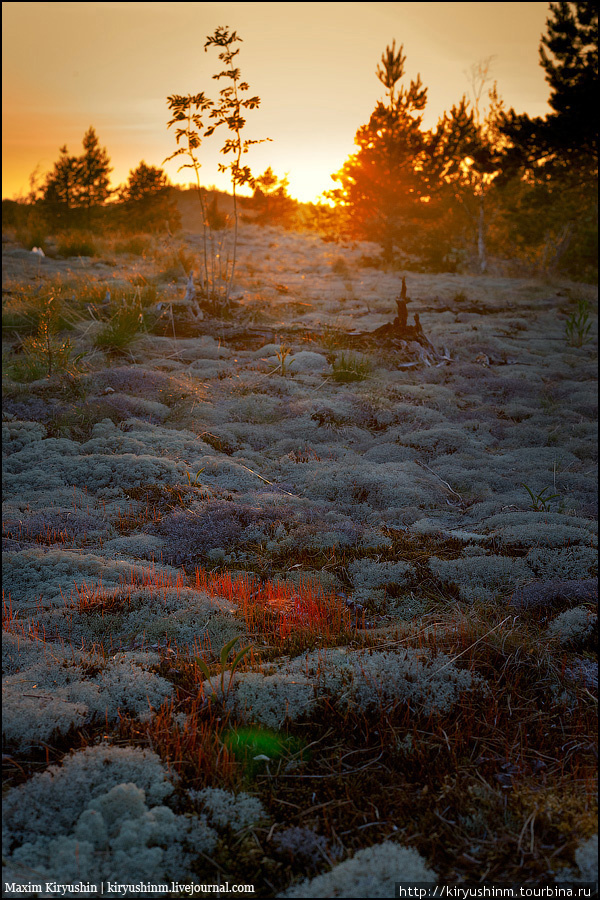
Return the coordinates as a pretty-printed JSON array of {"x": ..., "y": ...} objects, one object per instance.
[
  {"x": 286, "y": 615},
  {"x": 299, "y": 614}
]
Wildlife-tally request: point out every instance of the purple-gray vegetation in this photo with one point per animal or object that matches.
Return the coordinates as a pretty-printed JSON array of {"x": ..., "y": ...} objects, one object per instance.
[
  {"x": 140, "y": 382},
  {"x": 119, "y": 407},
  {"x": 190, "y": 534},
  {"x": 33, "y": 409},
  {"x": 555, "y": 594},
  {"x": 303, "y": 844},
  {"x": 51, "y": 526}
]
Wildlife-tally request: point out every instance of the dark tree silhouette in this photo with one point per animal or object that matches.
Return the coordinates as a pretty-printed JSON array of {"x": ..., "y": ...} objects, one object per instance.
[
  {"x": 270, "y": 200},
  {"x": 466, "y": 152},
  {"x": 94, "y": 170},
  {"x": 147, "y": 200},
  {"x": 551, "y": 168},
  {"x": 569, "y": 55},
  {"x": 60, "y": 193},
  {"x": 77, "y": 182},
  {"x": 143, "y": 182}
]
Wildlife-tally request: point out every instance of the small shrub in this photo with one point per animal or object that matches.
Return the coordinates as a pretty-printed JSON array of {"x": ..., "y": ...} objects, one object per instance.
[
  {"x": 135, "y": 245},
  {"x": 190, "y": 535},
  {"x": 33, "y": 234},
  {"x": 23, "y": 313},
  {"x": 23, "y": 369},
  {"x": 140, "y": 381},
  {"x": 347, "y": 368},
  {"x": 301, "y": 843},
  {"x": 174, "y": 263},
  {"x": 121, "y": 330},
  {"x": 554, "y": 593},
  {"x": 46, "y": 348},
  {"x": 76, "y": 244},
  {"x": 53, "y": 526}
]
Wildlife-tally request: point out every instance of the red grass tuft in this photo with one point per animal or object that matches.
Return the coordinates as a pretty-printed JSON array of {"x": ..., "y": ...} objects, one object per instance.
[{"x": 281, "y": 608}]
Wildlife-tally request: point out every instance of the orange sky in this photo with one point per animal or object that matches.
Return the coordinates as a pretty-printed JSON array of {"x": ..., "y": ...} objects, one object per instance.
[{"x": 67, "y": 66}]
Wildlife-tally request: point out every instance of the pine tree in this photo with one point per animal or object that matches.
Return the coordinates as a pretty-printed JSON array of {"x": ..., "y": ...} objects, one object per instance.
[
  {"x": 569, "y": 56},
  {"x": 381, "y": 184},
  {"x": 147, "y": 200},
  {"x": 60, "y": 193},
  {"x": 468, "y": 145},
  {"x": 94, "y": 169},
  {"x": 77, "y": 183},
  {"x": 271, "y": 202},
  {"x": 551, "y": 168},
  {"x": 568, "y": 136}
]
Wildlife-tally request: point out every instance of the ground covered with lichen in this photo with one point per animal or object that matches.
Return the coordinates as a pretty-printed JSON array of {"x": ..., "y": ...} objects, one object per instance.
[{"x": 406, "y": 544}]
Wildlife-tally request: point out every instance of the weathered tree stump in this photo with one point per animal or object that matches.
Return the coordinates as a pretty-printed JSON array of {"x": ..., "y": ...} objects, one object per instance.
[{"x": 410, "y": 341}]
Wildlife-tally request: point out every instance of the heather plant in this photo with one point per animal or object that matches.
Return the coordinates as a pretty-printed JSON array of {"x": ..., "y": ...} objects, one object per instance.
[
  {"x": 52, "y": 526},
  {"x": 190, "y": 534},
  {"x": 228, "y": 110},
  {"x": 302, "y": 843},
  {"x": 28, "y": 408},
  {"x": 141, "y": 381}
]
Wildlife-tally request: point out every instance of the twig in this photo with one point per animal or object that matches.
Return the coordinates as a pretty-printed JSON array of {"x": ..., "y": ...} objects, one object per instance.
[
  {"x": 470, "y": 647},
  {"x": 338, "y": 774},
  {"x": 424, "y": 466},
  {"x": 266, "y": 480}
]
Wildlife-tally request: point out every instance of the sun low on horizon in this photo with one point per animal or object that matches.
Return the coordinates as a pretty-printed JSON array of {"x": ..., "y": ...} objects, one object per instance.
[{"x": 112, "y": 65}]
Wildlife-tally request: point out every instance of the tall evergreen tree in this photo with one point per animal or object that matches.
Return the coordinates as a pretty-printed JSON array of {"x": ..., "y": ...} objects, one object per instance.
[
  {"x": 77, "y": 183},
  {"x": 569, "y": 56},
  {"x": 93, "y": 172},
  {"x": 568, "y": 136},
  {"x": 381, "y": 184},
  {"x": 468, "y": 146},
  {"x": 61, "y": 189},
  {"x": 551, "y": 168}
]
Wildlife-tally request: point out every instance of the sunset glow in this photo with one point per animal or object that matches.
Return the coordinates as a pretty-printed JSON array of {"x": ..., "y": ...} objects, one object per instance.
[{"x": 67, "y": 66}]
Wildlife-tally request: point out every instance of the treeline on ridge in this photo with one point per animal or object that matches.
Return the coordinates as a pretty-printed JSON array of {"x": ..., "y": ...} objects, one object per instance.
[{"x": 485, "y": 185}]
